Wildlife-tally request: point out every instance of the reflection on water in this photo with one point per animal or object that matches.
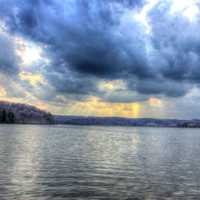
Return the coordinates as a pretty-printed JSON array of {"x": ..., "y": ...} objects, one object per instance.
[{"x": 72, "y": 162}]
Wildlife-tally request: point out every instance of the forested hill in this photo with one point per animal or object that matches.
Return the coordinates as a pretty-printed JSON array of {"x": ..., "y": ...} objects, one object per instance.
[{"x": 22, "y": 113}]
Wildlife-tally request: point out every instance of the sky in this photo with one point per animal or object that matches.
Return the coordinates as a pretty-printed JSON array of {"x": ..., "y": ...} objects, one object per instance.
[{"x": 127, "y": 58}]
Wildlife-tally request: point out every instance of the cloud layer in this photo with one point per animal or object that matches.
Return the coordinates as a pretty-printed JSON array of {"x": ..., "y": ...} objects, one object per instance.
[{"x": 153, "y": 46}]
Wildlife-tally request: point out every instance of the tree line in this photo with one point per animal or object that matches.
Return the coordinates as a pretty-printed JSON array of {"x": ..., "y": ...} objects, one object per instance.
[{"x": 7, "y": 116}]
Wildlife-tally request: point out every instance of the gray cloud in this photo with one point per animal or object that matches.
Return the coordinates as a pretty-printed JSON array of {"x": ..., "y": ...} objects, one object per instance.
[{"x": 89, "y": 41}]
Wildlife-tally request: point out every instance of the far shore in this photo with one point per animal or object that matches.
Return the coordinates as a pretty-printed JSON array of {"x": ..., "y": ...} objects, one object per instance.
[{"x": 116, "y": 121}]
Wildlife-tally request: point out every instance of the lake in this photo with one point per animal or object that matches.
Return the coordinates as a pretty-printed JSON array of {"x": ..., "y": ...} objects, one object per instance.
[{"x": 89, "y": 163}]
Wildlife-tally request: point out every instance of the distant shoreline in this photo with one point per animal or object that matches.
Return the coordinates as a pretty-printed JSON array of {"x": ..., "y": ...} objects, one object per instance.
[
  {"x": 131, "y": 122},
  {"x": 15, "y": 113},
  {"x": 100, "y": 125}
]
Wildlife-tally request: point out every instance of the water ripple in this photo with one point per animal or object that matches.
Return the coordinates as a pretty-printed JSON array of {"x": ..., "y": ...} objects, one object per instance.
[{"x": 94, "y": 163}]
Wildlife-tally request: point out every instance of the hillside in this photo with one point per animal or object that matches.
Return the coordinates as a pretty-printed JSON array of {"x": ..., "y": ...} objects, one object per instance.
[{"x": 22, "y": 113}]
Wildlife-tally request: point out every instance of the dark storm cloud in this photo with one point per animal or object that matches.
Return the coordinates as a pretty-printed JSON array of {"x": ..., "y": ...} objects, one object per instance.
[
  {"x": 73, "y": 84},
  {"x": 156, "y": 87},
  {"x": 89, "y": 41}
]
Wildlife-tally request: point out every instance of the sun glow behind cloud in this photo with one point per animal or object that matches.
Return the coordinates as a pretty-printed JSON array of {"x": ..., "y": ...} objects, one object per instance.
[
  {"x": 97, "y": 107},
  {"x": 2, "y": 92},
  {"x": 155, "y": 102},
  {"x": 142, "y": 17},
  {"x": 187, "y": 8},
  {"x": 33, "y": 79},
  {"x": 110, "y": 86},
  {"x": 93, "y": 106},
  {"x": 30, "y": 53}
]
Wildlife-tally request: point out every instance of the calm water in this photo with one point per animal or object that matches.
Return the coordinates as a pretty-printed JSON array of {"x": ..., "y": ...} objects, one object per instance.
[{"x": 89, "y": 163}]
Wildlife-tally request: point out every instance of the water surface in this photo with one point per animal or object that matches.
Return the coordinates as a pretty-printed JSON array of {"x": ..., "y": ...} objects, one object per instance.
[{"x": 95, "y": 163}]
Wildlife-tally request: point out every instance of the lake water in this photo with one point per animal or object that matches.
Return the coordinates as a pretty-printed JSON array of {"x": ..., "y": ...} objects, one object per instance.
[{"x": 90, "y": 163}]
